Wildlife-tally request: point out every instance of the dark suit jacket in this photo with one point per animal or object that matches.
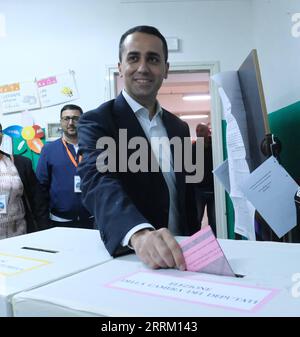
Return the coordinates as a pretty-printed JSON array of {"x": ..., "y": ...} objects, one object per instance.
[
  {"x": 36, "y": 207},
  {"x": 119, "y": 201}
]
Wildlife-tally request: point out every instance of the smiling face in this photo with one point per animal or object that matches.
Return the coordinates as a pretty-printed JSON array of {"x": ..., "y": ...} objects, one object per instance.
[
  {"x": 143, "y": 67},
  {"x": 69, "y": 120}
]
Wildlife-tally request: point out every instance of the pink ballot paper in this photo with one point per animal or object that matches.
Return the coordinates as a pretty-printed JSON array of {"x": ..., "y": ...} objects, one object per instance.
[{"x": 203, "y": 253}]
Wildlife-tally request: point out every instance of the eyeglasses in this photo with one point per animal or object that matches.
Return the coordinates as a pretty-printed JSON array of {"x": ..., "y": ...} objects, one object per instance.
[{"x": 67, "y": 119}]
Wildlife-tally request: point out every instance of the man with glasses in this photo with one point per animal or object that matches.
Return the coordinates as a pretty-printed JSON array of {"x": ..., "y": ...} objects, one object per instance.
[{"x": 57, "y": 173}]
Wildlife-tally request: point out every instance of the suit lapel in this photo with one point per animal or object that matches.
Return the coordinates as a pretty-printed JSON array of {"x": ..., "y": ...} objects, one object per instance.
[
  {"x": 173, "y": 131},
  {"x": 126, "y": 119},
  {"x": 170, "y": 128}
]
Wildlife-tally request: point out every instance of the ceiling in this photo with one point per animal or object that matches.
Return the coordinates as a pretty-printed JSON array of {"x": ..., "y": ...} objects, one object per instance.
[{"x": 179, "y": 84}]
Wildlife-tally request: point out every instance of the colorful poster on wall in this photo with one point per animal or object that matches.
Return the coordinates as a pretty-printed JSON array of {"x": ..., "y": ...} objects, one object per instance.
[
  {"x": 27, "y": 141},
  {"x": 57, "y": 89},
  {"x": 19, "y": 96},
  {"x": 28, "y": 137},
  {"x": 52, "y": 90}
]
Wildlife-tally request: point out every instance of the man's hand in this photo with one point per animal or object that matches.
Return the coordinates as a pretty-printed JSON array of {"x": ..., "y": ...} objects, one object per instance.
[{"x": 158, "y": 249}]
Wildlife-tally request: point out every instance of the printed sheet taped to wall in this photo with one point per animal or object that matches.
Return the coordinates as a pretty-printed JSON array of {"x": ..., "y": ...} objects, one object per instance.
[{"x": 52, "y": 90}]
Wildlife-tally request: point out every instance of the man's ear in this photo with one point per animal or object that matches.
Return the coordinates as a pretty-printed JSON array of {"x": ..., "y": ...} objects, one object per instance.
[{"x": 120, "y": 69}]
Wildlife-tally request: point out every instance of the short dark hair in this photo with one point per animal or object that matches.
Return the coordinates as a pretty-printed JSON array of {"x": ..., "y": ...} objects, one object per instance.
[
  {"x": 147, "y": 30},
  {"x": 70, "y": 107},
  {"x": 200, "y": 128}
]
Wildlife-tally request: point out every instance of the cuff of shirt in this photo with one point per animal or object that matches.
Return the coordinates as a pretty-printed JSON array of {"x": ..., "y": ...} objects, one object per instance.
[{"x": 126, "y": 240}]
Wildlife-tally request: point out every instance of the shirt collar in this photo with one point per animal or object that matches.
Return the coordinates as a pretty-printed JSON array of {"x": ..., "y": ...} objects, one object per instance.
[
  {"x": 68, "y": 143},
  {"x": 135, "y": 106}
]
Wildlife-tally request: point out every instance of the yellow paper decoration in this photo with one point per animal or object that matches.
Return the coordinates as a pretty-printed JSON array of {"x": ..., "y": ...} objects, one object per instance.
[{"x": 28, "y": 133}]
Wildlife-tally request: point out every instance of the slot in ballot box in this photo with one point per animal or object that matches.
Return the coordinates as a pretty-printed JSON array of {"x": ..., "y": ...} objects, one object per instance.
[
  {"x": 32, "y": 260},
  {"x": 126, "y": 287}
]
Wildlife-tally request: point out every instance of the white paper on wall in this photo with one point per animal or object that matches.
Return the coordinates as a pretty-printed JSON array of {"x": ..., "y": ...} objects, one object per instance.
[
  {"x": 237, "y": 149},
  {"x": 19, "y": 96},
  {"x": 23, "y": 96},
  {"x": 57, "y": 89}
]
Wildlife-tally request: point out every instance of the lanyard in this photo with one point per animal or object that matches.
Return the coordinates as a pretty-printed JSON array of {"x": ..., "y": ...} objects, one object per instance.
[{"x": 70, "y": 154}]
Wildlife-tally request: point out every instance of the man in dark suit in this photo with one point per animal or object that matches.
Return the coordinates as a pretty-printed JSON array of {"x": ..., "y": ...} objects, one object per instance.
[
  {"x": 204, "y": 190},
  {"x": 142, "y": 208}
]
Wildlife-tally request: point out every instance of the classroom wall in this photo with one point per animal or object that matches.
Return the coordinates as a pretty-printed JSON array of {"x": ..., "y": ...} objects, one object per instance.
[
  {"x": 48, "y": 38},
  {"x": 45, "y": 38},
  {"x": 279, "y": 55},
  {"x": 278, "y": 51}
]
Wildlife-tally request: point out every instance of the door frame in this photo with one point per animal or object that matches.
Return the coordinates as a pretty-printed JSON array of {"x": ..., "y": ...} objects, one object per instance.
[{"x": 216, "y": 126}]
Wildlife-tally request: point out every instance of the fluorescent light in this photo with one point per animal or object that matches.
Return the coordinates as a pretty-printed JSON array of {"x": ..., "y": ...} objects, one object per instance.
[
  {"x": 204, "y": 97},
  {"x": 193, "y": 116}
]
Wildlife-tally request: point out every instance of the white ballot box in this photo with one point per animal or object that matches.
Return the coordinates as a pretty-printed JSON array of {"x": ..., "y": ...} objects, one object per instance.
[
  {"x": 126, "y": 287},
  {"x": 32, "y": 260}
]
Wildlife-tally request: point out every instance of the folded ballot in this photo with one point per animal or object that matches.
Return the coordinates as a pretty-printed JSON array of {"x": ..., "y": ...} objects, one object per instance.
[{"x": 202, "y": 253}]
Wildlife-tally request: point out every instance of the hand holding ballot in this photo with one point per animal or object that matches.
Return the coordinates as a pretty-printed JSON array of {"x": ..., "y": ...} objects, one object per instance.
[
  {"x": 158, "y": 249},
  {"x": 200, "y": 252}
]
